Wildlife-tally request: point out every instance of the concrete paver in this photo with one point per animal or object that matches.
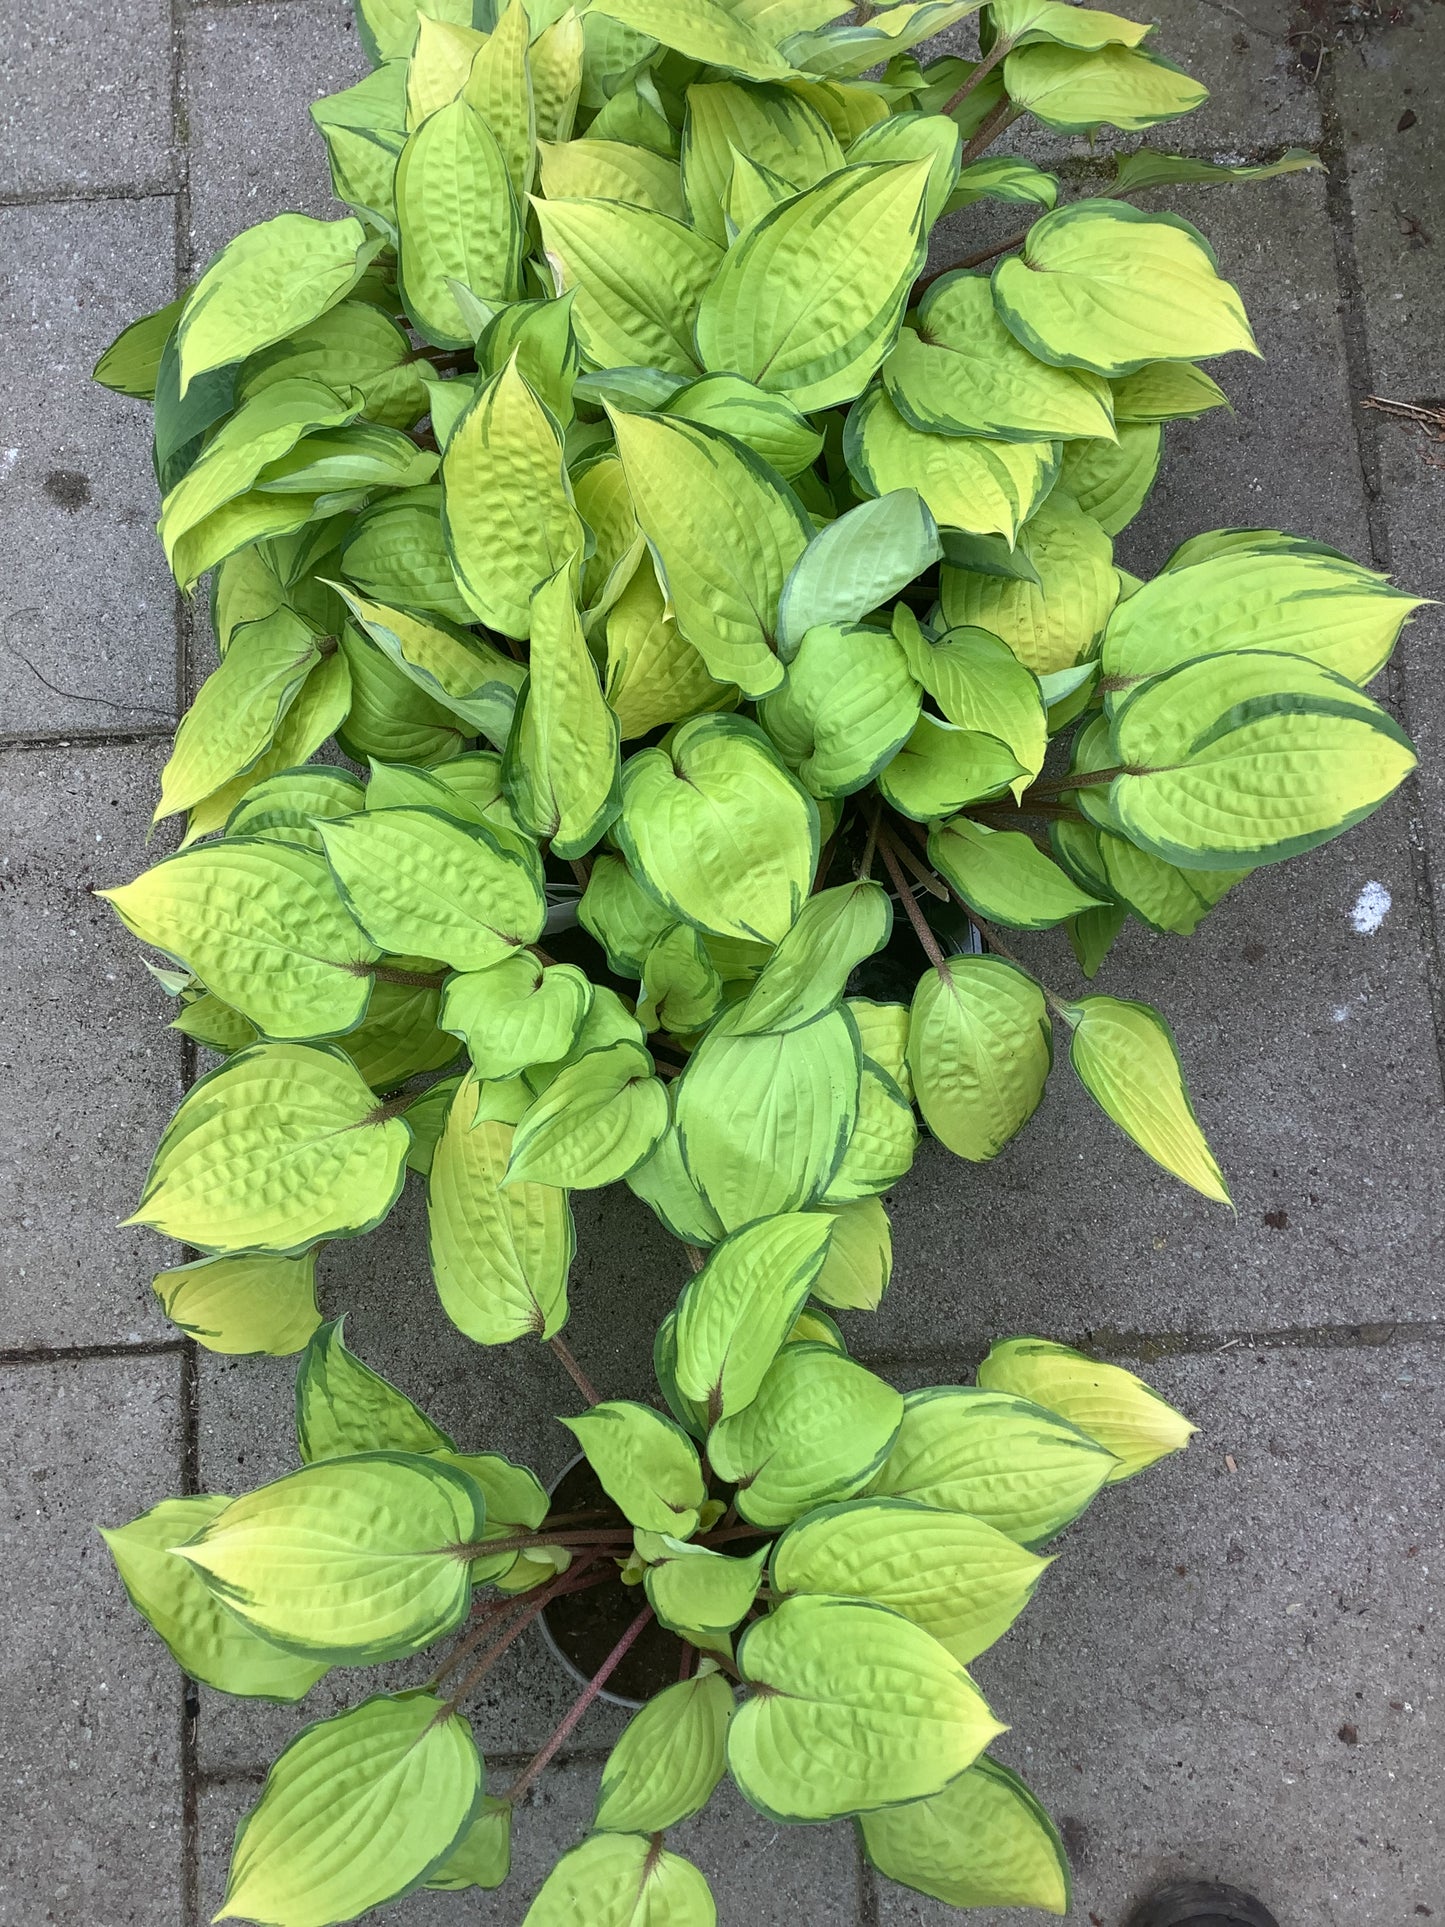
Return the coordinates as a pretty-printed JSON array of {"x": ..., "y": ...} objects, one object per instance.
[
  {"x": 91, "y": 1074},
  {"x": 90, "y": 1700},
  {"x": 81, "y": 113},
  {"x": 87, "y": 607}
]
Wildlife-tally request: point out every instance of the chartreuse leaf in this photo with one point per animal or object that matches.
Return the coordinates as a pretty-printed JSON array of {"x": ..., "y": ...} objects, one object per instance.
[
  {"x": 646, "y": 1464},
  {"x": 261, "y": 924},
  {"x": 988, "y": 487},
  {"x": 269, "y": 281},
  {"x": 805, "y": 976},
  {"x": 458, "y": 222},
  {"x": 959, "y": 1578},
  {"x": 214, "y": 1024},
  {"x": 131, "y": 364},
  {"x": 1249, "y": 758},
  {"x": 864, "y": 1709},
  {"x": 909, "y": 137},
  {"x": 767, "y": 424},
  {"x": 609, "y": 1020},
  {"x": 849, "y": 49},
  {"x": 499, "y": 86},
  {"x": 639, "y": 276},
  {"x": 482, "y": 1856},
  {"x": 857, "y": 564},
  {"x": 959, "y": 371},
  {"x": 620, "y": 914},
  {"x": 1294, "y": 602},
  {"x": 699, "y": 1593},
  {"x": 848, "y": 705},
  {"x": 508, "y": 514},
  {"x": 607, "y": 170},
  {"x": 516, "y": 1501},
  {"x": 771, "y": 125},
  {"x": 1004, "y": 177},
  {"x": 883, "y": 1141},
  {"x": 354, "y": 1559},
  {"x": 439, "y": 64},
  {"x": 398, "y": 1038},
  {"x": 1111, "y": 480},
  {"x": 358, "y": 1810},
  {"x": 1111, "y": 1405},
  {"x": 859, "y": 1260},
  {"x": 470, "y": 678},
  {"x": 718, "y": 831},
  {"x": 1164, "y": 896},
  {"x": 1008, "y": 1461},
  {"x": 388, "y": 28},
  {"x": 818, "y": 1429},
  {"x": 396, "y": 553},
  {"x": 424, "y": 883},
  {"x": 1148, "y": 168},
  {"x": 979, "y": 684},
  {"x": 984, "y": 1841},
  {"x": 1049, "y": 624},
  {"x": 1166, "y": 391},
  {"x": 808, "y": 301},
  {"x": 320, "y": 707},
  {"x": 243, "y": 1305},
  {"x": 598, "y": 1118},
  {"x": 668, "y": 1759},
  {"x": 1128, "y": 1062},
  {"x": 561, "y": 769},
  {"x": 343, "y": 1407},
  {"x": 663, "y": 1182},
  {"x": 1100, "y": 285},
  {"x": 979, "y": 1049},
  {"x": 281, "y": 808},
  {"x": 280, "y": 1146},
  {"x": 734, "y": 1315},
  {"x": 1075, "y": 90},
  {"x": 1004, "y": 876},
  {"x": 941, "y": 768},
  {"x": 238, "y": 710},
  {"x": 206, "y": 1641},
  {"x": 500, "y": 1253},
  {"x": 704, "y": 30},
  {"x": 764, "y": 1120},
  {"x": 624, "y": 1879},
  {"x": 517, "y": 1013},
  {"x": 725, "y": 532},
  {"x": 681, "y": 988},
  {"x": 555, "y": 61},
  {"x": 363, "y": 170},
  {"x": 1024, "y": 23},
  {"x": 883, "y": 1034}
]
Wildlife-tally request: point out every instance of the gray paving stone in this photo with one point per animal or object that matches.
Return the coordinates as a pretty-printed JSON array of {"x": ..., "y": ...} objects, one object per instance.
[
  {"x": 87, "y": 610},
  {"x": 1185, "y": 1686},
  {"x": 90, "y": 1073},
  {"x": 251, "y": 74},
  {"x": 761, "y": 1875},
  {"x": 86, "y": 107},
  {"x": 90, "y": 1701}
]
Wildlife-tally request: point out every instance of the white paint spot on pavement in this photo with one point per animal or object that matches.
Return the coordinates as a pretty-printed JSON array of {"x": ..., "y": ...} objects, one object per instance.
[
  {"x": 1372, "y": 906},
  {"x": 8, "y": 458}
]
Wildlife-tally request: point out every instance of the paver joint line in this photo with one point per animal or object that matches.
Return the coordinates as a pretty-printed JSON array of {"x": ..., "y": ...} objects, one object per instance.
[{"x": 85, "y": 1354}]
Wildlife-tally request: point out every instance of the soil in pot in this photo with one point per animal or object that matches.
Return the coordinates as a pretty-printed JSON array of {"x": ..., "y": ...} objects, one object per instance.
[{"x": 587, "y": 1625}]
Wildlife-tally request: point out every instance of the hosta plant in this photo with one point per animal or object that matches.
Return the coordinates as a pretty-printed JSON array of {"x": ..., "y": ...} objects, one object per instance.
[
  {"x": 829, "y": 1554},
  {"x": 694, "y": 588}
]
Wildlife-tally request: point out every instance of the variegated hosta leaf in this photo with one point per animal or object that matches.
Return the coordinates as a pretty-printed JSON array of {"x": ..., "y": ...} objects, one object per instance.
[
  {"x": 354, "y": 1560},
  {"x": 646, "y": 1464},
  {"x": 623, "y": 1879},
  {"x": 244, "y": 1304},
  {"x": 473, "y": 680},
  {"x": 1076, "y": 90},
  {"x": 984, "y": 1841},
  {"x": 979, "y": 1049},
  {"x": 1051, "y": 623},
  {"x": 518, "y": 1013},
  {"x": 988, "y": 487},
  {"x": 357, "y": 1810},
  {"x": 209, "y": 1643},
  {"x": 263, "y": 926},
  {"x": 808, "y": 302},
  {"x": 865, "y": 1709},
  {"x": 859, "y": 1260},
  {"x": 500, "y": 1252},
  {"x": 942, "y": 768},
  {"x": 598, "y": 1118},
  {"x": 805, "y": 976},
  {"x": 996, "y": 1455},
  {"x": 668, "y": 1759},
  {"x": 1004, "y": 876},
  {"x": 774, "y": 126},
  {"x": 704, "y": 30},
  {"x": 857, "y": 564},
  {"x": 725, "y": 532},
  {"x": 1126, "y": 1416},
  {"x": 343, "y": 1407},
  {"x": 639, "y": 276},
  {"x": 281, "y": 1146},
  {"x": 818, "y": 1429},
  {"x": 1102, "y": 286},
  {"x": 848, "y": 706},
  {"x": 767, "y": 424},
  {"x": 959, "y": 371},
  {"x": 699, "y": 1593},
  {"x": 733, "y": 1317},
  {"x": 458, "y": 222},
  {"x": 959, "y": 1578},
  {"x": 718, "y": 831},
  {"x": 1111, "y": 480},
  {"x": 979, "y": 684}
]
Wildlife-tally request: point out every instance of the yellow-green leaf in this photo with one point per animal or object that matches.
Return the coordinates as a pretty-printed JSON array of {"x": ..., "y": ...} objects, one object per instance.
[
  {"x": 458, "y": 221},
  {"x": 668, "y": 1758},
  {"x": 979, "y": 1049},
  {"x": 984, "y": 1841},
  {"x": 1126, "y": 1416},
  {"x": 638, "y": 274},
  {"x": 988, "y": 487},
  {"x": 243, "y": 1305}
]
